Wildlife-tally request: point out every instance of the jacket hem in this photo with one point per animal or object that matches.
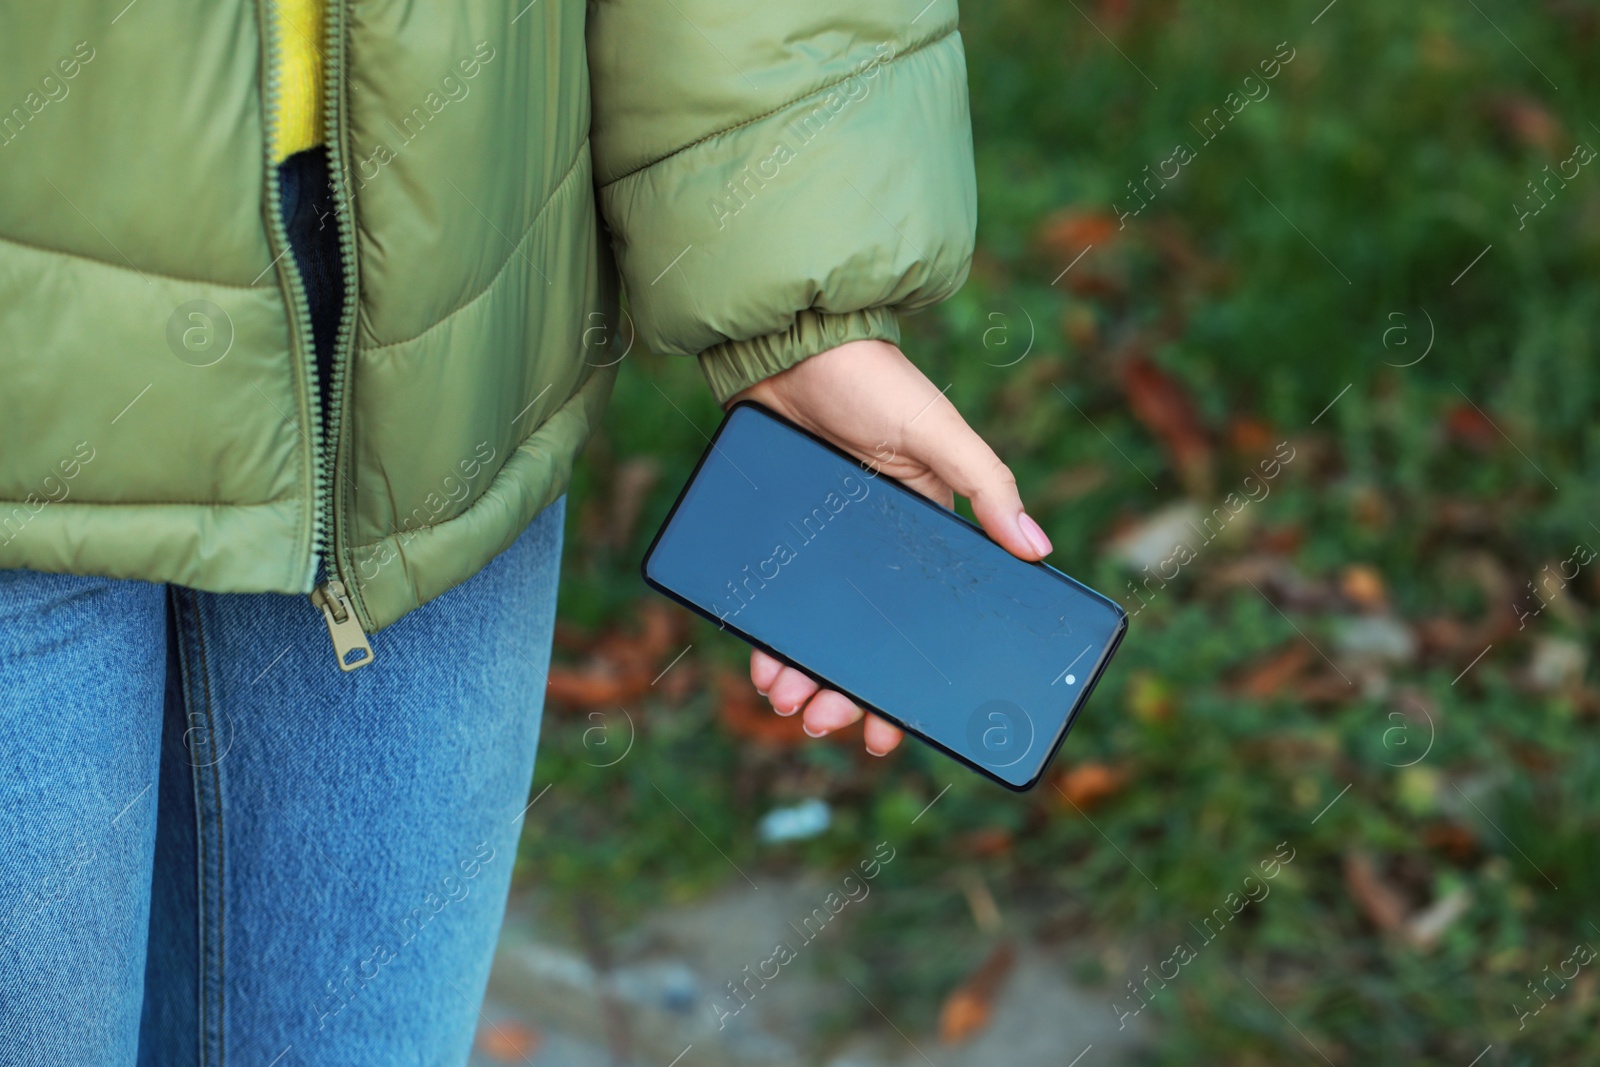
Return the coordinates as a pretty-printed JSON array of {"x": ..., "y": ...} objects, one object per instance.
[{"x": 733, "y": 366}]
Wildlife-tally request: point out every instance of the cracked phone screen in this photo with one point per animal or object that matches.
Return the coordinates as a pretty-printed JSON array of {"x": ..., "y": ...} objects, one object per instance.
[{"x": 884, "y": 596}]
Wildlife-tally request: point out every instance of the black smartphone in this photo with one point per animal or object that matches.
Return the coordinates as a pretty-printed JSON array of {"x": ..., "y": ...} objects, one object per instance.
[{"x": 876, "y": 591}]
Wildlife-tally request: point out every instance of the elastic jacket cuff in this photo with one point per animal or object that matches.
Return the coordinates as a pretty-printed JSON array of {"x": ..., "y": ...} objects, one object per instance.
[{"x": 736, "y": 365}]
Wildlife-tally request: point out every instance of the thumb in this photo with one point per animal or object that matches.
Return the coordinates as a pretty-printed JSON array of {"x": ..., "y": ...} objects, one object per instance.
[{"x": 942, "y": 440}]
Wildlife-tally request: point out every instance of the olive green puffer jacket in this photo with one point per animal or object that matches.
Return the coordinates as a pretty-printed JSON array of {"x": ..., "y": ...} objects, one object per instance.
[{"x": 771, "y": 180}]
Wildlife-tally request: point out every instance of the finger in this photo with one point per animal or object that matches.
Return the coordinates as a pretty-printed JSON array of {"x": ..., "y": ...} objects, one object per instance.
[
  {"x": 881, "y": 736},
  {"x": 829, "y": 711},
  {"x": 764, "y": 670},
  {"x": 942, "y": 440},
  {"x": 790, "y": 690},
  {"x": 933, "y": 487}
]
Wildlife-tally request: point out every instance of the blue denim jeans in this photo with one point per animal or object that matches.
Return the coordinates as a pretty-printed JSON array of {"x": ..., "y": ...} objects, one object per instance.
[{"x": 217, "y": 848}]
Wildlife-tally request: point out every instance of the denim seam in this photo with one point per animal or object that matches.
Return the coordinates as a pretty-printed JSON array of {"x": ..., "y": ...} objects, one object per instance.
[
  {"x": 202, "y": 812},
  {"x": 185, "y": 658}
]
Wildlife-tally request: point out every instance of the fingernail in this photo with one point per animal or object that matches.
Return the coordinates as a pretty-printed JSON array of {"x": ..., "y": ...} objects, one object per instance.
[
  {"x": 809, "y": 733},
  {"x": 789, "y": 711},
  {"x": 1035, "y": 536},
  {"x": 874, "y": 752}
]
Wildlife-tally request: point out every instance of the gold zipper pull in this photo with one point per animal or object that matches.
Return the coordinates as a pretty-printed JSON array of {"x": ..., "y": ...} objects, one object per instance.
[{"x": 343, "y": 626}]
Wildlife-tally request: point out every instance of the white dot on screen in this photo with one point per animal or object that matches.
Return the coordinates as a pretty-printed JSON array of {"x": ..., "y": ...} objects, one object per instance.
[{"x": 1071, "y": 678}]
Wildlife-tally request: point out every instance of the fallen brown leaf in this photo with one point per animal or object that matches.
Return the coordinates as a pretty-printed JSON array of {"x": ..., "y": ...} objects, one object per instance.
[
  {"x": 1250, "y": 437},
  {"x": 1445, "y": 637},
  {"x": 1068, "y": 233},
  {"x": 1468, "y": 425},
  {"x": 1276, "y": 577},
  {"x": 1529, "y": 123},
  {"x": 1364, "y": 586},
  {"x": 594, "y": 685},
  {"x": 621, "y": 664},
  {"x": 1276, "y": 673},
  {"x": 970, "y": 1005},
  {"x": 1533, "y": 757},
  {"x": 1456, "y": 841},
  {"x": 1068, "y": 237},
  {"x": 989, "y": 841},
  {"x": 1088, "y": 784},
  {"x": 508, "y": 1042},
  {"x": 1161, "y": 403},
  {"x": 1281, "y": 540},
  {"x": 659, "y": 634},
  {"x": 1380, "y": 902},
  {"x": 1327, "y": 687}
]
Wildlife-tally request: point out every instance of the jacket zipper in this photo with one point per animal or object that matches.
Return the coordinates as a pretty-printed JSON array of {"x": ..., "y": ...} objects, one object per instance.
[
  {"x": 348, "y": 633},
  {"x": 340, "y": 611},
  {"x": 343, "y": 626}
]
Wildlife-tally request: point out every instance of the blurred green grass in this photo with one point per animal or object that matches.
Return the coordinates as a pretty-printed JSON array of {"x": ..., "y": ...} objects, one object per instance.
[{"x": 1386, "y": 156}]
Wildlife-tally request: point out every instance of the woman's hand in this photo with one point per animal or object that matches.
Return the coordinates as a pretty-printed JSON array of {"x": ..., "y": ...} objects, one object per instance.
[{"x": 871, "y": 401}]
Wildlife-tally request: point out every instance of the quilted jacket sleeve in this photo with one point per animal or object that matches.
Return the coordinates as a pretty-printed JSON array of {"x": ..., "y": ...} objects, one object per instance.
[{"x": 779, "y": 179}]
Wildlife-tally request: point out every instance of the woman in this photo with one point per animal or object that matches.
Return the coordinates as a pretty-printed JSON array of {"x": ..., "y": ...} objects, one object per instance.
[{"x": 301, "y": 298}]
